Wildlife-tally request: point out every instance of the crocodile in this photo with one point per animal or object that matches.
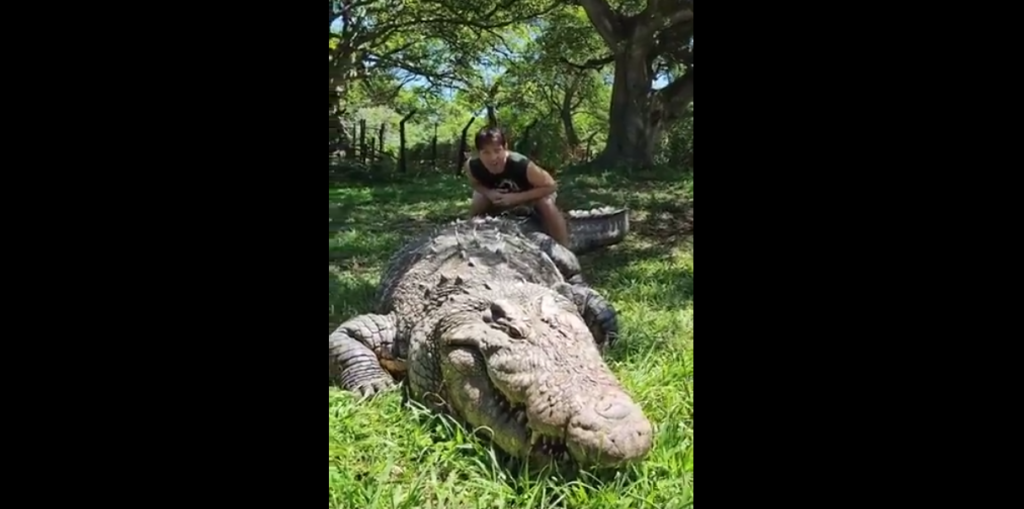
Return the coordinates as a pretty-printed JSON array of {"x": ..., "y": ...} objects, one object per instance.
[{"x": 490, "y": 321}]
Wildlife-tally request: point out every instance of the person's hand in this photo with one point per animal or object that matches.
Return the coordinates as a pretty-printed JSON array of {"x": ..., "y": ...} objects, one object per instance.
[
  {"x": 506, "y": 200},
  {"x": 493, "y": 195}
]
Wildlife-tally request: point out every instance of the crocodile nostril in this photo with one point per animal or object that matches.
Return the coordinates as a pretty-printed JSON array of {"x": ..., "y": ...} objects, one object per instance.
[{"x": 614, "y": 410}]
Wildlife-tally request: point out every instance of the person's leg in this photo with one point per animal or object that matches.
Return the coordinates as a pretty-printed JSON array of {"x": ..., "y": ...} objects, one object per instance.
[
  {"x": 553, "y": 220},
  {"x": 481, "y": 204}
]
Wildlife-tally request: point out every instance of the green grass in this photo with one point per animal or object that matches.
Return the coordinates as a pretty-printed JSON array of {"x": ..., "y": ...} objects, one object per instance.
[{"x": 383, "y": 453}]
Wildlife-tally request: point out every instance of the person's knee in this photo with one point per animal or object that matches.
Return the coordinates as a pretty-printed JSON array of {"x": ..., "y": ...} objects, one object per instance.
[
  {"x": 546, "y": 206},
  {"x": 480, "y": 203},
  {"x": 553, "y": 221},
  {"x": 480, "y": 199}
]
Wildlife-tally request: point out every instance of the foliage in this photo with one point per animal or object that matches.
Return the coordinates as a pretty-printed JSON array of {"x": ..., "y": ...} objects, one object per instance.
[
  {"x": 677, "y": 150},
  {"x": 381, "y": 43},
  {"x": 541, "y": 67}
]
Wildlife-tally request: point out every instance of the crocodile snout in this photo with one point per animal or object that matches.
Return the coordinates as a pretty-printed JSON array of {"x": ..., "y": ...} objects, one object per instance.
[{"x": 610, "y": 431}]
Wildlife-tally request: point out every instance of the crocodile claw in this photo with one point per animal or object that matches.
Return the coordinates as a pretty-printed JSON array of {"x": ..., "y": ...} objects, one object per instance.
[{"x": 375, "y": 387}]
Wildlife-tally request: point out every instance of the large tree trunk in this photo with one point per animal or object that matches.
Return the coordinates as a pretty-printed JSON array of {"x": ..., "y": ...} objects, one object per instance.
[
  {"x": 633, "y": 132},
  {"x": 638, "y": 113}
]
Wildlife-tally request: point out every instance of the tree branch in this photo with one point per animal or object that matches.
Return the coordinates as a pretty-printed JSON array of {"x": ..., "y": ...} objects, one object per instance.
[
  {"x": 665, "y": 8},
  {"x": 580, "y": 97},
  {"x": 547, "y": 93},
  {"x": 405, "y": 66},
  {"x": 344, "y": 10},
  {"x": 683, "y": 57},
  {"x": 370, "y": 37},
  {"x": 674, "y": 40},
  {"x": 650, "y": 21},
  {"x": 444, "y": 79},
  {"x": 593, "y": 63},
  {"x": 391, "y": 96},
  {"x": 479, "y": 24},
  {"x": 508, "y": 53},
  {"x": 567, "y": 95},
  {"x": 446, "y": 6},
  {"x": 333, "y": 14},
  {"x": 673, "y": 98},
  {"x": 451, "y": 85},
  {"x": 605, "y": 20},
  {"x": 397, "y": 50}
]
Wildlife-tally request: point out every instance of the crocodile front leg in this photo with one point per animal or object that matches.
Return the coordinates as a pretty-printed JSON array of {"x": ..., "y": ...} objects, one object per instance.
[
  {"x": 598, "y": 313},
  {"x": 567, "y": 262},
  {"x": 357, "y": 349}
]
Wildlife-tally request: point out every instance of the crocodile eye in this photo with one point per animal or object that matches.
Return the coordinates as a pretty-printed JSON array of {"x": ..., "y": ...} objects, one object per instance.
[{"x": 513, "y": 330}]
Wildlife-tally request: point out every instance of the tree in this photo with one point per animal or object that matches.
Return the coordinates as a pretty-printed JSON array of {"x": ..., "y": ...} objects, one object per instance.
[
  {"x": 562, "y": 105},
  {"x": 405, "y": 40},
  {"x": 655, "y": 41},
  {"x": 569, "y": 36}
]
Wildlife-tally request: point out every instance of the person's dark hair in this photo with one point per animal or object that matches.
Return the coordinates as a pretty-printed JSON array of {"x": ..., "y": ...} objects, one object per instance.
[{"x": 489, "y": 135}]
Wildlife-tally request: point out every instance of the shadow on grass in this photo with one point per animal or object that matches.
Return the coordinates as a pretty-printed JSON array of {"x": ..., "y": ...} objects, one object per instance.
[
  {"x": 370, "y": 221},
  {"x": 617, "y": 263},
  {"x": 662, "y": 203},
  {"x": 661, "y": 206}
]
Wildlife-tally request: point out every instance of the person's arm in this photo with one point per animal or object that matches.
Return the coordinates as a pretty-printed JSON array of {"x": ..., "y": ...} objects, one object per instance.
[
  {"x": 475, "y": 184},
  {"x": 543, "y": 185}
]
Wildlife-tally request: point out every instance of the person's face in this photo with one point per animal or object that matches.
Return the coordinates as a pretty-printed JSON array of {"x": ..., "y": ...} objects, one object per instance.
[{"x": 493, "y": 156}]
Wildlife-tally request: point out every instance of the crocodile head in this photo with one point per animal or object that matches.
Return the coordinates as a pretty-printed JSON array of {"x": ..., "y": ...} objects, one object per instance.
[{"x": 521, "y": 364}]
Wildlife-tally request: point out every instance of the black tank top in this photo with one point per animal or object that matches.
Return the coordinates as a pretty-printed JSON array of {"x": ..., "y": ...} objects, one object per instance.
[{"x": 512, "y": 178}]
